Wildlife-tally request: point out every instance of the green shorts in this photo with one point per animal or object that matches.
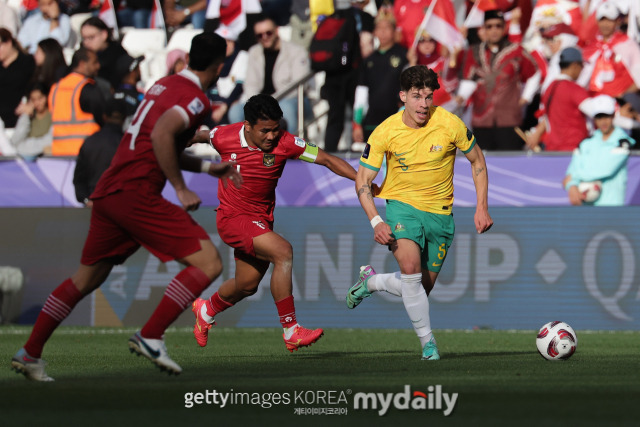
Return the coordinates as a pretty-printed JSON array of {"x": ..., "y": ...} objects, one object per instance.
[{"x": 432, "y": 232}]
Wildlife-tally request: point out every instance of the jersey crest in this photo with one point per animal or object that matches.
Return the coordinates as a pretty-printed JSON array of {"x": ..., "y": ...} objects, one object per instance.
[{"x": 268, "y": 159}]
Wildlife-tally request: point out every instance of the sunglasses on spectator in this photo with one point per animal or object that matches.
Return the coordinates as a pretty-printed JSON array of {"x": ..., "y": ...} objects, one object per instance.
[
  {"x": 264, "y": 35},
  {"x": 490, "y": 26}
]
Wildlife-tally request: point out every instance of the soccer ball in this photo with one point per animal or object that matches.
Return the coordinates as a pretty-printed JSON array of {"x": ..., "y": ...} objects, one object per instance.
[
  {"x": 556, "y": 341},
  {"x": 590, "y": 190}
]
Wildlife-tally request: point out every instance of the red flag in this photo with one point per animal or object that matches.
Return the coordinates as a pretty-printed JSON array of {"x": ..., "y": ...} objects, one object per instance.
[
  {"x": 108, "y": 15},
  {"x": 440, "y": 23}
]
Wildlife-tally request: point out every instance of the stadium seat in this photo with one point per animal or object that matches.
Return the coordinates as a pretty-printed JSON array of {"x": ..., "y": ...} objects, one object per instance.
[
  {"x": 144, "y": 41},
  {"x": 181, "y": 39},
  {"x": 76, "y": 23}
]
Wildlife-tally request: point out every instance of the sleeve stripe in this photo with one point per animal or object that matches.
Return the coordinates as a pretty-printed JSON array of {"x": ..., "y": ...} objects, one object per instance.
[
  {"x": 373, "y": 168},
  {"x": 472, "y": 144}
]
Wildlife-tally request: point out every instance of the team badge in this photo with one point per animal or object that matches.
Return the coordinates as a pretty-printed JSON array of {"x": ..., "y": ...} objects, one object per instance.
[
  {"x": 196, "y": 106},
  {"x": 233, "y": 156},
  {"x": 399, "y": 227},
  {"x": 299, "y": 142},
  {"x": 395, "y": 61},
  {"x": 268, "y": 159},
  {"x": 435, "y": 148}
]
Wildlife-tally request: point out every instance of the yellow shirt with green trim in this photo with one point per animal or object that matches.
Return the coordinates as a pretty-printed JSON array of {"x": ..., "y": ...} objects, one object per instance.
[{"x": 419, "y": 161}]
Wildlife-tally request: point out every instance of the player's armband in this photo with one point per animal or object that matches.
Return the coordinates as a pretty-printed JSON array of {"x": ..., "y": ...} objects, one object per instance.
[{"x": 310, "y": 150}]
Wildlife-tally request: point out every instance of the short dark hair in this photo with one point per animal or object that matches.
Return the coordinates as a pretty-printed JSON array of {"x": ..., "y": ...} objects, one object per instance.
[
  {"x": 82, "y": 54},
  {"x": 207, "y": 49},
  {"x": 262, "y": 107},
  {"x": 261, "y": 17},
  {"x": 419, "y": 77},
  {"x": 98, "y": 23}
]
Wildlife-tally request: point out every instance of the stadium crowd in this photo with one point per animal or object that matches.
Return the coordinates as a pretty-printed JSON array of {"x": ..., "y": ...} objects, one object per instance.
[{"x": 500, "y": 63}]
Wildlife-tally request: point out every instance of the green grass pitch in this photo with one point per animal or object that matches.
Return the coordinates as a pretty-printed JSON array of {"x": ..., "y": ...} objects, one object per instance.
[{"x": 498, "y": 375}]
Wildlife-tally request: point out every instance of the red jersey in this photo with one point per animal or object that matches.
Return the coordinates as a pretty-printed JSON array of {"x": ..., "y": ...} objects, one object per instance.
[
  {"x": 567, "y": 125},
  {"x": 260, "y": 170},
  {"x": 135, "y": 162}
]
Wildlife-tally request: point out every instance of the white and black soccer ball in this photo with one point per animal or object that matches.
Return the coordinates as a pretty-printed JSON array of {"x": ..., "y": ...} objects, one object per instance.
[
  {"x": 556, "y": 341},
  {"x": 590, "y": 190}
]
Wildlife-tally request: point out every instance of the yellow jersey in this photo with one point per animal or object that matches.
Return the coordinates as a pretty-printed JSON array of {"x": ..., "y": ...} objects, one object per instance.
[{"x": 419, "y": 161}]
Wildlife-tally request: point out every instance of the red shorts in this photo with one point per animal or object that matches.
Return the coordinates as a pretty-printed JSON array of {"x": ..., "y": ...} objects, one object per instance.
[
  {"x": 238, "y": 231},
  {"x": 124, "y": 221}
]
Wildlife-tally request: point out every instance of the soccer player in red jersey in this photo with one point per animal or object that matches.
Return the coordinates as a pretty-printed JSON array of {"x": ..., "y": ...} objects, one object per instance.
[
  {"x": 129, "y": 211},
  {"x": 245, "y": 215}
]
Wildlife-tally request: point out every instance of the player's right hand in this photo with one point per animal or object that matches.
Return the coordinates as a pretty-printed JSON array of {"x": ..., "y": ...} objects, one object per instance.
[
  {"x": 190, "y": 201},
  {"x": 382, "y": 234},
  {"x": 227, "y": 172}
]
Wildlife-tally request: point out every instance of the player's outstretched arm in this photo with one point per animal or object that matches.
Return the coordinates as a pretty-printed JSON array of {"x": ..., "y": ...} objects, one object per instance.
[
  {"x": 170, "y": 124},
  {"x": 364, "y": 180},
  {"x": 481, "y": 218},
  {"x": 335, "y": 164}
]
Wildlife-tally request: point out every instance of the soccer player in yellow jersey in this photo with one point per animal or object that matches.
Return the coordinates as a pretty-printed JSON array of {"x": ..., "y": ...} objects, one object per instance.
[{"x": 420, "y": 146}]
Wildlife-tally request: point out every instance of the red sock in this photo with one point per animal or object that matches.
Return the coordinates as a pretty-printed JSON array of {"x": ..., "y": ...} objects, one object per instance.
[
  {"x": 57, "y": 307},
  {"x": 181, "y": 292},
  {"x": 287, "y": 312},
  {"x": 216, "y": 305}
]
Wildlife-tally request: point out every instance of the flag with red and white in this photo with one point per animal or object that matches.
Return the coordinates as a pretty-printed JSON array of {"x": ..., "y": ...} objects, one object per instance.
[
  {"x": 440, "y": 22},
  {"x": 157, "y": 18},
  {"x": 108, "y": 16}
]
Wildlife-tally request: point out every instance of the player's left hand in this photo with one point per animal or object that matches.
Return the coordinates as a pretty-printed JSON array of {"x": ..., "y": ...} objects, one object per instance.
[
  {"x": 483, "y": 221},
  {"x": 227, "y": 172}
]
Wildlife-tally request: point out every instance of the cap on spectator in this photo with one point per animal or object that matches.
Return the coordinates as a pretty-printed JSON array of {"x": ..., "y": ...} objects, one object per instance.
[
  {"x": 570, "y": 55},
  {"x": 493, "y": 14},
  {"x": 556, "y": 30},
  {"x": 603, "y": 105},
  {"x": 607, "y": 10},
  {"x": 342, "y": 4},
  {"x": 623, "y": 6},
  {"x": 126, "y": 64}
]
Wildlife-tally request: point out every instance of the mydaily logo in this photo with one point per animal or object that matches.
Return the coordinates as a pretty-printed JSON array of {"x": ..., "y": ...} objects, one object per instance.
[{"x": 433, "y": 399}]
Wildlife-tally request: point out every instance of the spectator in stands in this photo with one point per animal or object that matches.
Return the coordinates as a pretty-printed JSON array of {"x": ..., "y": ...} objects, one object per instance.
[
  {"x": 409, "y": 15},
  {"x": 125, "y": 83},
  {"x": 98, "y": 149},
  {"x": 494, "y": 72},
  {"x": 377, "y": 94},
  {"x": 228, "y": 88},
  {"x": 176, "y": 61},
  {"x": 135, "y": 13},
  {"x": 603, "y": 157},
  {"x": 614, "y": 59},
  {"x": 16, "y": 71},
  {"x": 9, "y": 18},
  {"x": 76, "y": 104},
  {"x": 275, "y": 64},
  {"x": 430, "y": 53},
  {"x": 98, "y": 38},
  {"x": 50, "y": 62},
  {"x": 566, "y": 107},
  {"x": 340, "y": 87},
  {"x": 182, "y": 12},
  {"x": 33, "y": 135},
  {"x": 48, "y": 22},
  {"x": 300, "y": 22}
]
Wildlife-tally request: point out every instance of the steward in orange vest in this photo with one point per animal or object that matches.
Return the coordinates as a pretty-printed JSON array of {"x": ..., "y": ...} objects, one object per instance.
[{"x": 71, "y": 123}]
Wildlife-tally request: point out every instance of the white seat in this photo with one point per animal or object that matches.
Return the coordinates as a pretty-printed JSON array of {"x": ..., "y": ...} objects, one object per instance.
[
  {"x": 181, "y": 39},
  {"x": 143, "y": 41},
  {"x": 153, "y": 68},
  {"x": 76, "y": 22}
]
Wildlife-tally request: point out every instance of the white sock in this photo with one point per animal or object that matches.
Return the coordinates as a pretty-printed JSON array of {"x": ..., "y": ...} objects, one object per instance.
[
  {"x": 205, "y": 316},
  {"x": 416, "y": 303},
  {"x": 289, "y": 331},
  {"x": 389, "y": 282}
]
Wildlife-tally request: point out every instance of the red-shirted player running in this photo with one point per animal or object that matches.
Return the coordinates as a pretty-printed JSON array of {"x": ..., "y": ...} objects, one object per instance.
[
  {"x": 129, "y": 211},
  {"x": 245, "y": 216}
]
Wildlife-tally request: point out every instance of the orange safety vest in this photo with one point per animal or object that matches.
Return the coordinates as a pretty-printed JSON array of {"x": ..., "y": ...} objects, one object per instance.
[{"x": 70, "y": 124}]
